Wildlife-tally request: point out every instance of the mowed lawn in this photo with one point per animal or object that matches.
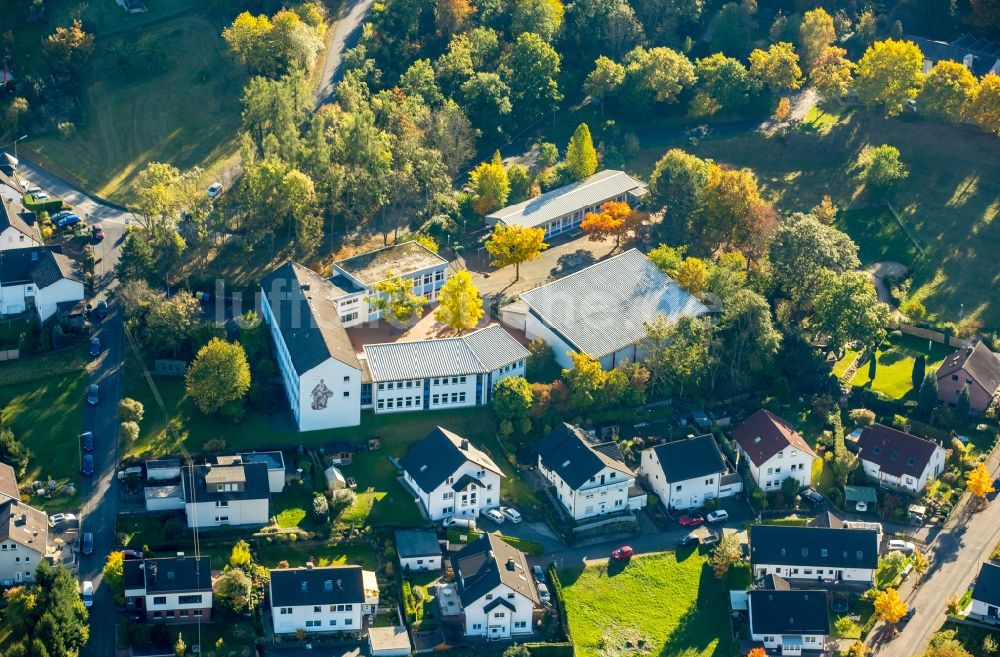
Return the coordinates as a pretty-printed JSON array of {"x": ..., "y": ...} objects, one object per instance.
[
  {"x": 610, "y": 607},
  {"x": 894, "y": 370},
  {"x": 185, "y": 112}
]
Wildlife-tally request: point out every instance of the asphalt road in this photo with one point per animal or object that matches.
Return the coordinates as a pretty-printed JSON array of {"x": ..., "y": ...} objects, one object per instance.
[{"x": 345, "y": 34}]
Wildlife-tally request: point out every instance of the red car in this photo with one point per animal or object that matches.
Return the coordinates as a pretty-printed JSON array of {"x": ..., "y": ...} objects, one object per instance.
[
  {"x": 624, "y": 552},
  {"x": 98, "y": 231},
  {"x": 691, "y": 521}
]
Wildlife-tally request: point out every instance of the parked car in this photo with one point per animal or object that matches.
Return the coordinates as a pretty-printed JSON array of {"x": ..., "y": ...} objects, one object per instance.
[
  {"x": 861, "y": 506},
  {"x": 32, "y": 188},
  {"x": 102, "y": 309},
  {"x": 40, "y": 196},
  {"x": 687, "y": 540},
  {"x": 711, "y": 539},
  {"x": 493, "y": 515},
  {"x": 132, "y": 554},
  {"x": 907, "y": 617},
  {"x": 214, "y": 189},
  {"x": 897, "y": 545},
  {"x": 59, "y": 215},
  {"x": 543, "y": 593},
  {"x": 87, "y": 543},
  {"x": 87, "y": 441},
  {"x": 60, "y": 518},
  {"x": 691, "y": 520},
  {"x": 539, "y": 573},
  {"x": 718, "y": 516},
  {"x": 810, "y": 496},
  {"x": 98, "y": 232},
  {"x": 95, "y": 347},
  {"x": 88, "y": 465},
  {"x": 87, "y": 593},
  {"x": 68, "y": 220},
  {"x": 93, "y": 394},
  {"x": 622, "y": 553},
  {"x": 512, "y": 514},
  {"x": 460, "y": 523}
]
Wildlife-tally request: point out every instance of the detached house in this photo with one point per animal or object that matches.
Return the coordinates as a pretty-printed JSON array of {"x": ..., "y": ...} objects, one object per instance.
[
  {"x": 18, "y": 228},
  {"x": 686, "y": 473},
  {"x": 222, "y": 495},
  {"x": 590, "y": 477},
  {"x": 170, "y": 588},
  {"x": 774, "y": 451},
  {"x": 496, "y": 590},
  {"x": 814, "y": 554},
  {"x": 976, "y": 367},
  {"x": 986, "y": 594},
  {"x": 450, "y": 476},
  {"x": 330, "y": 599},
  {"x": 789, "y": 622},
  {"x": 39, "y": 279},
  {"x": 24, "y": 539},
  {"x": 899, "y": 460}
]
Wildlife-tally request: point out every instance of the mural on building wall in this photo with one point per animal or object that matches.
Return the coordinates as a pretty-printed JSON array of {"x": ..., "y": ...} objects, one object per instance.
[{"x": 321, "y": 395}]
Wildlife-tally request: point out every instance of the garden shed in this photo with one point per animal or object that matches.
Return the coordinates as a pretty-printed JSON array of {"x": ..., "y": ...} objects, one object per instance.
[{"x": 335, "y": 479}]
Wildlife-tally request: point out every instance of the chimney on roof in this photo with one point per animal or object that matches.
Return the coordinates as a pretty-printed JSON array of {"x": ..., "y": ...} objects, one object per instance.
[
  {"x": 309, "y": 565},
  {"x": 305, "y": 586},
  {"x": 340, "y": 585},
  {"x": 510, "y": 564},
  {"x": 152, "y": 572},
  {"x": 967, "y": 61},
  {"x": 465, "y": 444}
]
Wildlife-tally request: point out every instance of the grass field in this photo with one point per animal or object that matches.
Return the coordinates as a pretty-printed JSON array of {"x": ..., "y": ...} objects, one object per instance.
[
  {"x": 893, "y": 374},
  {"x": 610, "y": 607}
]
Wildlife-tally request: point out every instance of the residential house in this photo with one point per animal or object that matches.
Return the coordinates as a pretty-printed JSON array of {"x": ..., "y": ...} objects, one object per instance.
[
  {"x": 165, "y": 469},
  {"x": 24, "y": 540},
  {"x": 602, "y": 310},
  {"x": 976, "y": 367},
  {"x": 275, "y": 462},
  {"x": 391, "y": 641},
  {"x": 437, "y": 374},
  {"x": 814, "y": 554},
  {"x": 899, "y": 460},
  {"x": 177, "y": 589},
  {"x": 980, "y": 56},
  {"x": 563, "y": 209},
  {"x": 789, "y": 622},
  {"x": 499, "y": 599},
  {"x": 223, "y": 495},
  {"x": 355, "y": 278},
  {"x": 687, "y": 473},
  {"x": 38, "y": 279},
  {"x": 319, "y": 367},
  {"x": 329, "y": 599},
  {"x": 418, "y": 550},
  {"x": 774, "y": 451},
  {"x": 590, "y": 477},
  {"x": 8, "y": 483},
  {"x": 986, "y": 594},
  {"x": 18, "y": 228},
  {"x": 450, "y": 476}
]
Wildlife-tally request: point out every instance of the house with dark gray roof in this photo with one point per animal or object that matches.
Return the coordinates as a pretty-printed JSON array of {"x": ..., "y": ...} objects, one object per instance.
[
  {"x": 986, "y": 594},
  {"x": 172, "y": 589},
  {"x": 688, "y": 472},
  {"x": 974, "y": 367},
  {"x": 774, "y": 451},
  {"x": 589, "y": 476},
  {"x": 18, "y": 227},
  {"x": 980, "y": 56},
  {"x": 8, "y": 483},
  {"x": 602, "y": 310},
  {"x": 24, "y": 540},
  {"x": 497, "y": 595},
  {"x": 328, "y": 599},
  {"x": 899, "y": 460},
  {"x": 819, "y": 555},
  {"x": 563, "y": 210},
  {"x": 789, "y": 622},
  {"x": 223, "y": 495},
  {"x": 418, "y": 550},
  {"x": 451, "y": 477},
  {"x": 39, "y": 279}
]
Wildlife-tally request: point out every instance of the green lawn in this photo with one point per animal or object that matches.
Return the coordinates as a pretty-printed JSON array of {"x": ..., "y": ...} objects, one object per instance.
[
  {"x": 293, "y": 507},
  {"x": 46, "y": 415},
  {"x": 610, "y": 607},
  {"x": 845, "y": 361},
  {"x": 894, "y": 372},
  {"x": 878, "y": 235}
]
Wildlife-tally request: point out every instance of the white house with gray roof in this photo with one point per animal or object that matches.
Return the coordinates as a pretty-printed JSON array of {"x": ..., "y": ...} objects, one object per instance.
[
  {"x": 445, "y": 373},
  {"x": 563, "y": 209},
  {"x": 450, "y": 476},
  {"x": 602, "y": 310}
]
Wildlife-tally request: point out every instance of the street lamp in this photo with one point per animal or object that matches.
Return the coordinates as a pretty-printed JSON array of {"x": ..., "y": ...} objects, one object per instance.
[{"x": 14, "y": 144}]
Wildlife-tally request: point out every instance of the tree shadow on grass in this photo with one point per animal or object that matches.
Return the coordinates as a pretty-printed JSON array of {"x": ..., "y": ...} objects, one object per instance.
[
  {"x": 569, "y": 574},
  {"x": 891, "y": 357},
  {"x": 704, "y": 622}
]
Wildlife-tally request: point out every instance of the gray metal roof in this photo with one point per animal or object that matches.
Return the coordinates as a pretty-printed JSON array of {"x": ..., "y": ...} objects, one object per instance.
[
  {"x": 604, "y": 307},
  {"x": 484, "y": 350},
  {"x": 598, "y": 188}
]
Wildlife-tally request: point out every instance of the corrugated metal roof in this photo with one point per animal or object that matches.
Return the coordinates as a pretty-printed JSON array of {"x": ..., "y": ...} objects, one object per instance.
[
  {"x": 485, "y": 350},
  {"x": 603, "y": 308},
  {"x": 597, "y": 188}
]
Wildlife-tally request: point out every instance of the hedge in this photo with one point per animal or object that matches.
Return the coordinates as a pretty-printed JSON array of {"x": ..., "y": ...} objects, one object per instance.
[
  {"x": 559, "y": 601},
  {"x": 49, "y": 205},
  {"x": 564, "y": 649}
]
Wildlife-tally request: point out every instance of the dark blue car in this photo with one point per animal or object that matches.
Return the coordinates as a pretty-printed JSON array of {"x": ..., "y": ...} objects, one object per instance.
[
  {"x": 87, "y": 438},
  {"x": 88, "y": 464},
  {"x": 67, "y": 221},
  {"x": 95, "y": 346}
]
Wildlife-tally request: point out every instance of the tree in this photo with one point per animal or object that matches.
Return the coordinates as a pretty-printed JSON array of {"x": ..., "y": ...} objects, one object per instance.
[
  {"x": 678, "y": 185},
  {"x": 460, "y": 306},
  {"x": 782, "y": 111},
  {"x": 129, "y": 431},
  {"x": 757, "y": 652},
  {"x": 729, "y": 217},
  {"x": 512, "y": 398},
  {"x": 947, "y": 91},
  {"x": 135, "y": 260},
  {"x": 728, "y": 552},
  {"x": 171, "y": 323},
  {"x": 605, "y": 79},
  {"x": 240, "y": 556},
  {"x": 218, "y": 375},
  {"x": 733, "y": 28},
  {"x": 513, "y": 244},
  {"x": 889, "y": 75},
  {"x": 919, "y": 370},
  {"x": 130, "y": 410},
  {"x": 69, "y": 47},
  {"x": 679, "y": 356},
  {"x": 667, "y": 259},
  {"x": 832, "y": 73},
  {"x": 816, "y": 32},
  {"x": 826, "y": 211},
  {"x": 16, "y": 113},
  {"x": 585, "y": 380},
  {"x": 889, "y": 606},
  {"x": 452, "y": 16},
  {"x": 180, "y": 648},
  {"x": 490, "y": 182},
  {"x": 692, "y": 275},
  {"x": 919, "y": 562},
  {"x": 881, "y": 170},
  {"x": 542, "y": 17},
  {"x": 962, "y": 404},
  {"x": 927, "y": 398},
  {"x": 114, "y": 575},
  {"x": 984, "y": 107},
  {"x": 486, "y": 99},
  {"x": 396, "y": 299},
  {"x": 658, "y": 72},
  {"x": 612, "y": 220},
  {"x": 748, "y": 336},
  {"x": 451, "y": 133},
  {"x": 873, "y": 366},
  {"x": 247, "y": 37},
  {"x": 531, "y": 69},
  {"x": 847, "y": 309},
  {"x": 581, "y": 158},
  {"x": 162, "y": 191},
  {"x": 13, "y": 451},
  {"x": 724, "y": 85},
  {"x": 944, "y": 644},
  {"x": 233, "y": 588},
  {"x": 801, "y": 249},
  {"x": 50, "y": 617},
  {"x": 777, "y": 67},
  {"x": 980, "y": 481}
]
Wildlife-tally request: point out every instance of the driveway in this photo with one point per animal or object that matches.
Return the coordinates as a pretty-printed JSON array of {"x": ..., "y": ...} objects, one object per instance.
[{"x": 345, "y": 34}]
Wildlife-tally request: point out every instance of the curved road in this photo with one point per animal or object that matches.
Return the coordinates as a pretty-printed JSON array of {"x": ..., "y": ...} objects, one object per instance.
[{"x": 345, "y": 34}]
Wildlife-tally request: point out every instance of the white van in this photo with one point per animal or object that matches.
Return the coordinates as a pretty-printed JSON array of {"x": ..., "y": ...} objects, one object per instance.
[{"x": 460, "y": 523}]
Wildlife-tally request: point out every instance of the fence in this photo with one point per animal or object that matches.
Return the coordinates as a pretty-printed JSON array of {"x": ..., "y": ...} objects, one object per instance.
[
  {"x": 169, "y": 368},
  {"x": 934, "y": 336},
  {"x": 9, "y": 354}
]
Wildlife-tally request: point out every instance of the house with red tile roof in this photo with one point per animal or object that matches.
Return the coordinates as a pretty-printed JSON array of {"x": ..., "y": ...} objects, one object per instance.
[
  {"x": 976, "y": 367},
  {"x": 774, "y": 451},
  {"x": 899, "y": 460}
]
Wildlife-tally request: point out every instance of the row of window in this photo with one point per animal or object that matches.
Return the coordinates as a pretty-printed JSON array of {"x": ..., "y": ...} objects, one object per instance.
[
  {"x": 400, "y": 402},
  {"x": 193, "y": 599},
  {"x": 518, "y": 625},
  {"x": 349, "y": 317},
  {"x": 183, "y": 613},
  {"x": 317, "y": 609},
  {"x": 508, "y": 368},
  {"x": 455, "y": 380},
  {"x": 332, "y": 623},
  {"x": 795, "y": 466},
  {"x": 708, "y": 482},
  {"x": 12, "y": 546},
  {"x": 456, "y": 398},
  {"x": 399, "y": 385}
]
